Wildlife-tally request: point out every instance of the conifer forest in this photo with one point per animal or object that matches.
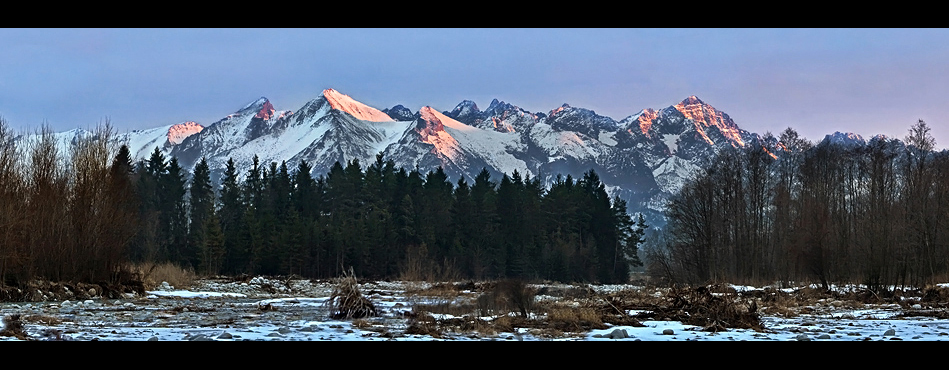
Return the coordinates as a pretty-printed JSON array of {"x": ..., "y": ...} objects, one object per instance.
[{"x": 87, "y": 214}]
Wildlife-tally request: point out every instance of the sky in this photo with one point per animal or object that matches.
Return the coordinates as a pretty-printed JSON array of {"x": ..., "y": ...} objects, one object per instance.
[{"x": 817, "y": 81}]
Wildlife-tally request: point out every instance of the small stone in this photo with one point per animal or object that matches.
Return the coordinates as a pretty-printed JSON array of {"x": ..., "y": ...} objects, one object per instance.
[
  {"x": 802, "y": 338},
  {"x": 890, "y": 333},
  {"x": 823, "y": 336},
  {"x": 153, "y": 339},
  {"x": 668, "y": 332},
  {"x": 225, "y": 335},
  {"x": 619, "y": 334}
]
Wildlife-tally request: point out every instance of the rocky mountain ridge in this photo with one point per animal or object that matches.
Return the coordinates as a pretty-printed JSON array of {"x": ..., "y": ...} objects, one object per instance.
[{"x": 643, "y": 158}]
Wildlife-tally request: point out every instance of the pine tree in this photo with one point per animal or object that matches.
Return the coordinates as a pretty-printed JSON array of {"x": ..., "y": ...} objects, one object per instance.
[
  {"x": 174, "y": 213},
  {"x": 230, "y": 216},
  {"x": 202, "y": 209}
]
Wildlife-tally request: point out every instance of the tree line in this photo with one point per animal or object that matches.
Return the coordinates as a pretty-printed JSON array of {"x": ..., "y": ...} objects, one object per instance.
[
  {"x": 85, "y": 217},
  {"x": 829, "y": 213}
]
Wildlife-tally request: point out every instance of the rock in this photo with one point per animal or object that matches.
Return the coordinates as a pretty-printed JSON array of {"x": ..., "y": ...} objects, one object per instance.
[
  {"x": 823, "y": 336},
  {"x": 225, "y": 335},
  {"x": 153, "y": 339},
  {"x": 668, "y": 332},
  {"x": 619, "y": 334},
  {"x": 890, "y": 333},
  {"x": 198, "y": 338},
  {"x": 802, "y": 338}
]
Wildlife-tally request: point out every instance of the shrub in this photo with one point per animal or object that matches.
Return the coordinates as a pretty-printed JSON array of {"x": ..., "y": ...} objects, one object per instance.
[{"x": 508, "y": 296}]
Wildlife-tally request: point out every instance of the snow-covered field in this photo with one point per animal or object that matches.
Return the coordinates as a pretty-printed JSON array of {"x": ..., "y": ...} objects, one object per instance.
[{"x": 296, "y": 310}]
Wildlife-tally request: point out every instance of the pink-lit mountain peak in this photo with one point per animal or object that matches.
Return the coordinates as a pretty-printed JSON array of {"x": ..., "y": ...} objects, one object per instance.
[
  {"x": 266, "y": 111},
  {"x": 704, "y": 115},
  {"x": 431, "y": 121},
  {"x": 343, "y": 102},
  {"x": 177, "y": 133},
  {"x": 645, "y": 119}
]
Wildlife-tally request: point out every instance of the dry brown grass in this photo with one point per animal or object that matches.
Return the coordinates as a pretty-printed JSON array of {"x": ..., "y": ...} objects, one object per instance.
[
  {"x": 419, "y": 267},
  {"x": 424, "y": 324},
  {"x": 42, "y": 319},
  {"x": 574, "y": 319},
  {"x": 13, "y": 327},
  {"x": 153, "y": 274},
  {"x": 362, "y": 323}
]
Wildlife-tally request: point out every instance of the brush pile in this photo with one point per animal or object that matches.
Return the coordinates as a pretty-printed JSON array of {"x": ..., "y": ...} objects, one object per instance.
[
  {"x": 347, "y": 302},
  {"x": 713, "y": 311}
]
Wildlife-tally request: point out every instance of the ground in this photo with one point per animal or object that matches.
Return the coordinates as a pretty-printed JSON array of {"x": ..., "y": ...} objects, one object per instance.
[{"x": 272, "y": 309}]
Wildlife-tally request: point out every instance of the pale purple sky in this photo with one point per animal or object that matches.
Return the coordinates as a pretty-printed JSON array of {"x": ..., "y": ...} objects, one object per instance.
[{"x": 868, "y": 81}]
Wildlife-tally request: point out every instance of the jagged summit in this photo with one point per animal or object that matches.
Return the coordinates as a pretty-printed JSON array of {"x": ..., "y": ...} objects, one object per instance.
[
  {"x": 255, "y": 105},
  {"x": 642, "y": 159},
  {"x": 643, "y": 120},
  {"x": 844, "y": 138},
  {"x": 359, "y": 110},
  {"x": 466, "y": 112},
  {"x": 400, "y": 113},
  {"x": 704, "y": 116},
  {"x": 692, "y": 99},
  {"x": 266, "y": 110},
  {"x": 178, "y": 132}
]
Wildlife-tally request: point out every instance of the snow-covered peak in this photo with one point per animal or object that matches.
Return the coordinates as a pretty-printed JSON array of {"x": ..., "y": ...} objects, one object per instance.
[
  {"x": 359, "y": 110},
  {"x": 845, "y": 139},
  {"x": 558, "y": 110},
  {"x": 465, "y": 108},
  {"x": 400, "y": 113},
  {"x": 177, "y": 133},
  {"x": 260, "y": 102}
]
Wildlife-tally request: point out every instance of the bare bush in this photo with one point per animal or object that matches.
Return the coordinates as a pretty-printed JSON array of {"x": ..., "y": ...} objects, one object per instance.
[{"x": 507, "y": 296}]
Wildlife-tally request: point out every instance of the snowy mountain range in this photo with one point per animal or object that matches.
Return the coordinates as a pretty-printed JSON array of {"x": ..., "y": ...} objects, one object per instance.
[{"x": 643, "y": 158}]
